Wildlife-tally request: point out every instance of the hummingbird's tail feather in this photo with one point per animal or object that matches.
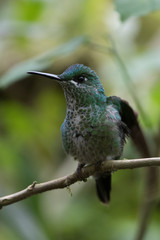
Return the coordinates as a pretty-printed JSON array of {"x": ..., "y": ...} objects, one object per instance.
[{"x": 103, "y": 186}]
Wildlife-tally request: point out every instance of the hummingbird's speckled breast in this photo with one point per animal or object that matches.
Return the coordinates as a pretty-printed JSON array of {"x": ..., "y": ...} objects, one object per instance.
[{"x": 92, "y": 134}]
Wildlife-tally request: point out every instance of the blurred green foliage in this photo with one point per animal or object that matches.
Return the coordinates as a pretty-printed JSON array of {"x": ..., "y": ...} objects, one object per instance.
[
  {"x": 128, "y": 8},
  {"x": 41, "y": 62},
  {"x": 59, "y": 33}
]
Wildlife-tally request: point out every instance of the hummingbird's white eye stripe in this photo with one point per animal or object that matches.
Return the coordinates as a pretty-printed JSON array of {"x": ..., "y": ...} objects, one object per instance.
[{"x": 75, "y": 83}]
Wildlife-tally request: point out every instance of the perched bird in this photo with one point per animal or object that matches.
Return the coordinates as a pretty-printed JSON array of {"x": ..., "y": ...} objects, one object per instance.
[{"x": 96, "y": 126}]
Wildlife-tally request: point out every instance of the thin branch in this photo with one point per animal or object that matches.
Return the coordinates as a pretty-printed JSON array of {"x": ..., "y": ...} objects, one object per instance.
[
  {"x": 149, "y": 200},
  {"x": 111, "y": 165}
]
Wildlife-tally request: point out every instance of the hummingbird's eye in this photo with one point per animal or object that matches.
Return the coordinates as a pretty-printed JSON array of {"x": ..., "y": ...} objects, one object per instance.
[{"x": 81, "y": 79}]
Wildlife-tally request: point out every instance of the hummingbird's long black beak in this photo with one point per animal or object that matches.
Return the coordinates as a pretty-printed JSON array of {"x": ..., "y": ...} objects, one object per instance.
[{"x": 48, "y": 75}]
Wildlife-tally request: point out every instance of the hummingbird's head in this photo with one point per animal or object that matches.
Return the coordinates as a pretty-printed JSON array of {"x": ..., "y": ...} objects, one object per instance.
[
  {"x": 80, "y": 76},
  {"x": 78, "y": 81}
]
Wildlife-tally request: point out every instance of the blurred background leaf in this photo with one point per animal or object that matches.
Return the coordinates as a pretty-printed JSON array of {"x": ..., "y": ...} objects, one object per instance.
[
  {"x": 41, "y": 62},
  {"x": 32, "y": 110},
  {"x": 128, "y": 8}
]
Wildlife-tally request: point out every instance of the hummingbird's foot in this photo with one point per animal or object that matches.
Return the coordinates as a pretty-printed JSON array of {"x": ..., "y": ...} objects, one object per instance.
[{"x": 79, "y": 172}]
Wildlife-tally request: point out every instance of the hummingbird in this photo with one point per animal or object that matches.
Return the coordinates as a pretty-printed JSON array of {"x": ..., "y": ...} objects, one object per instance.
[{"x": 96, "y": 126}]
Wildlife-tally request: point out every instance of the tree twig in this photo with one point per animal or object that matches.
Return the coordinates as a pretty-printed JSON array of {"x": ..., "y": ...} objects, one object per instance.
[
  {"x": 111, "y": 165},
  {"x": 149, "y": 200}
]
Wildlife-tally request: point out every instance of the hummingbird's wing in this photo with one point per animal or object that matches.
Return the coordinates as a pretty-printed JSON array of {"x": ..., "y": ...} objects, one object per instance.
[{"x": 129, "y": 117}]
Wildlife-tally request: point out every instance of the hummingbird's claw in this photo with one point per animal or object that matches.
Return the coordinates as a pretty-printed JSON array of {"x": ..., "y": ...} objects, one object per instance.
[{"x": 79, "y": 172}]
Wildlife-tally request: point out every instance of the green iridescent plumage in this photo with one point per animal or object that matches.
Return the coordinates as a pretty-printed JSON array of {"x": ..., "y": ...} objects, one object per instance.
[
  {"x": 91, "y": 130},
  {"x": 95, "y": 126}
]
